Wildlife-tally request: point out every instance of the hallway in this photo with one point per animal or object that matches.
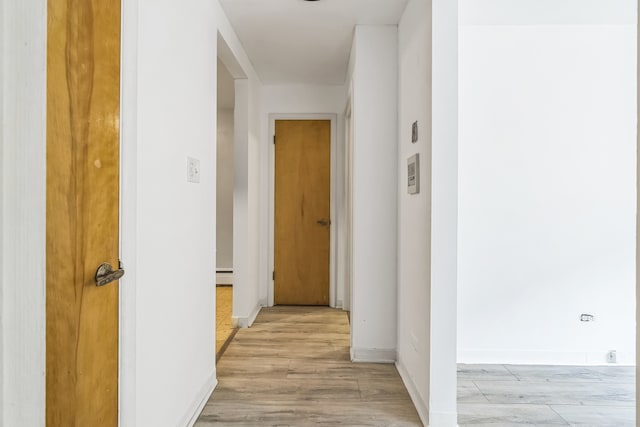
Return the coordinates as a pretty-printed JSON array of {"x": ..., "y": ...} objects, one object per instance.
[{"x": 293, "y": 368}]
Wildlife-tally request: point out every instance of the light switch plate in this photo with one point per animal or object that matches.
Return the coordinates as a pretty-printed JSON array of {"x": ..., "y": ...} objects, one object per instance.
[
  {"x": 193, "y": 170},
  {"x": 413, "y": 174}
]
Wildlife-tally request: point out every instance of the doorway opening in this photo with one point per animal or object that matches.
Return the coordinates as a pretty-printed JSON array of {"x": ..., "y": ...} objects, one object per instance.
[{"x": 225, "y": 330}]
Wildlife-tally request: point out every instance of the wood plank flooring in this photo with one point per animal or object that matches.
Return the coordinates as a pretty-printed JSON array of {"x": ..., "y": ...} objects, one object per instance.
[
  {"x": 292, "y": 368},
  {"x": 512, "y": 395}
]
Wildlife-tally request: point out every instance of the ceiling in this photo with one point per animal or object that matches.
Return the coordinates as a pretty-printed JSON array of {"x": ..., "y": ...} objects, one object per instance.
[{"x": 297, "y": 41}]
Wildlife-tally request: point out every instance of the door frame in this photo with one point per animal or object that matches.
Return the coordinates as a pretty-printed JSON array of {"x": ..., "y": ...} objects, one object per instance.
[
  {"x": 333, "y": 118},
  {"x": 347, "y": 234}
]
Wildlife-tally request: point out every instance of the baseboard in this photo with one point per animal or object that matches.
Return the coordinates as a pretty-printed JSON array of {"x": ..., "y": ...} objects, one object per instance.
[
  {"x": 533, "y": 357},
  {"x": 443, "y": 419},
  {"x": 420, "y": 404},
  {"x": 339, "y": 304},
  {"x": 246, "y": 322},
  {"x": 201, "y": 400},
  {"x": 373, "y": 355},
  {"x": 224, "y": 278}
]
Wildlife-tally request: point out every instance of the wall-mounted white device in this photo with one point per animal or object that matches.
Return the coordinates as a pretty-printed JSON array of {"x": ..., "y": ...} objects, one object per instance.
[{"x": 413, "y": 172}]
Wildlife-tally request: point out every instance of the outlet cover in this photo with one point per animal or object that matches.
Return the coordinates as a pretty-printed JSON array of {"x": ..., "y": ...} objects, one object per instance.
[{"x": 193, "y": 170}]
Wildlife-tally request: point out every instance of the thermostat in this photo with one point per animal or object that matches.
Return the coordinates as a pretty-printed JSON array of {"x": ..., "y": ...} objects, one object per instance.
[{"x": 413, "y": 173}]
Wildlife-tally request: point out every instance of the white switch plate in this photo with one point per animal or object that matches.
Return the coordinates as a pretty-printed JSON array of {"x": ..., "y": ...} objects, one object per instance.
[
  {"x": 193, "y": 170},
  {"x": 413, "y": 172}
]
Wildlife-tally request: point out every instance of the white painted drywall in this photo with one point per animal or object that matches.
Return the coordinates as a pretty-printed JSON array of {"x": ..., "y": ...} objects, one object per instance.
[
  {"x": 299, "y": 100},
  {"x": 444, "y": 210},
  {"x": 246, "y": 297},
  {"x": 547, "y": 12},
  {"x": 547, "y": 197},
  {"x": 247, "y": 240},
  {"x": 169, "y": 234},
  {"x": 224, "y": 192},
  {"x": 175, "y": 278},
  {"x": 22, "y": 201},
  {"x": 414, "y": 211},
  {"x": 374, "y": 103},
  {"x": 3, "y": 84},
  {"x": 637, "y": 210}
]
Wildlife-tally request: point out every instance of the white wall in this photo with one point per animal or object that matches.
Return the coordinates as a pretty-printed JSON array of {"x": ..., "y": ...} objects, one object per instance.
[
  {"x": 169, "y": 235},
  {"x": 248, "y": 231},
  {"x": 22, "y": 202},
  {"x": 2, "y": 203},
  {"x": 300, "y": 100},
  {"x": 175, "y": 283},
  {"x": 444, "y": 210},
  {"x": 374, "y": 100},
  {"x": 224, "y": 191},
  {"x": 547, "y": 197},
  {"x": 247, "y": 235},
  {"x": 637, "y": 210},
  {"x": 414, "y": 211}
]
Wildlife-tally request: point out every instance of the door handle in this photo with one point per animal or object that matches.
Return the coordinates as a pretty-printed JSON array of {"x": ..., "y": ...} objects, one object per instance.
[
  {"x": 106, "y": 274},
  {"x": 324, "y": 222}
]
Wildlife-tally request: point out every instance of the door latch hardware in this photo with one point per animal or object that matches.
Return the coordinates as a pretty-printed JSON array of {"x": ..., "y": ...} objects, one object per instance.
[{"x": 106, "y": 274}]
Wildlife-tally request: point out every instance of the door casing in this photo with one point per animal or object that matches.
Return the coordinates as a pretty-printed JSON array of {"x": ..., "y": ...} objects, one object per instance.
[{"x": 333, "y": 283}]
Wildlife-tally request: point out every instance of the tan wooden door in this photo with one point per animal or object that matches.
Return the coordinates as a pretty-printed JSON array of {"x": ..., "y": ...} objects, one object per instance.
[
  {"x": 83, "y": 119},
  {"x": 302, "y": 211}
]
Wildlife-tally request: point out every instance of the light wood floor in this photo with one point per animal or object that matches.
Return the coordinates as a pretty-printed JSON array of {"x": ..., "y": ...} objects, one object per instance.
[
  {"x": 521, "y": 395},
  {"x": 292, "y": 368}
]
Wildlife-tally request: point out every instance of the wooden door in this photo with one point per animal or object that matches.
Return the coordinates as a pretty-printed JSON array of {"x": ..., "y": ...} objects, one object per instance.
[
  {"x": 302, "y": 211},
  {"x": 83, "y": 119}
]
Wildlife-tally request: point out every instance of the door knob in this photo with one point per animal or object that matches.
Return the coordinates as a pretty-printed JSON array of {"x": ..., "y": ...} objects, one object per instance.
[
  {"x": 106, "y": 274},
  {"x": 324, "y": 222}
]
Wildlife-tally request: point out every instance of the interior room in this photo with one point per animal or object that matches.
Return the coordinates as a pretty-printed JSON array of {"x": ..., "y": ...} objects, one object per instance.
[{"x": 547, "y": 213}]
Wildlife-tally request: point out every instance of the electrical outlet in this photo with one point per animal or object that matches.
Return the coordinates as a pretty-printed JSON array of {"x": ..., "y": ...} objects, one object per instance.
[
  {"x": 193, "y": 170},
  {"x": 587, "y": 318},
  {"x": 612, "y": 357}
]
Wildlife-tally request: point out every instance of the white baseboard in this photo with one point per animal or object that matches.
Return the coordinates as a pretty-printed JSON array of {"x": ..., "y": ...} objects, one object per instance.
[
  {"x": 420, "y": 404},
  {"x": 246, "y": 322},
  {"x": 373, "y": 355},
  {"x": 443, "y": 419},
  {"x": 201, "y": 400},
  {"x": 533, "y": 357},
  {"x": 339, "y": 304},
  {"x": 224, "y": 278}
]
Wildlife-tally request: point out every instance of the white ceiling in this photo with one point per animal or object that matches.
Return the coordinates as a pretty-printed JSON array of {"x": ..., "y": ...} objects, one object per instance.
[{"x": 296, "y": 41}]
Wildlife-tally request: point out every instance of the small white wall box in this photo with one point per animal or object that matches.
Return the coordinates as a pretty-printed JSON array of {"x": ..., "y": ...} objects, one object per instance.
[{"x": 413, "y": 169}]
